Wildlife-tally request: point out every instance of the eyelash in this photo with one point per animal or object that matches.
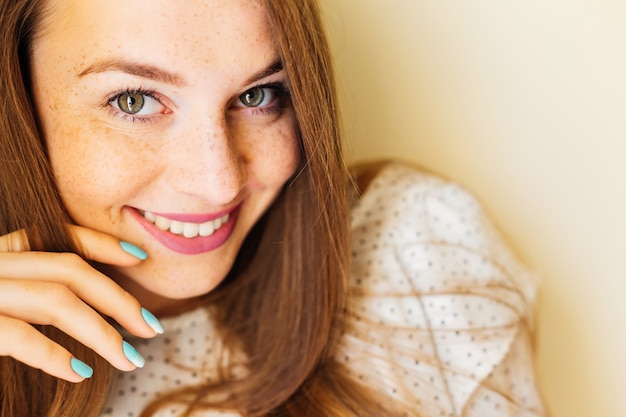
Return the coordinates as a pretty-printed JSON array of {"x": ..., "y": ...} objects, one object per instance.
[{"x": 282, "y": 92}]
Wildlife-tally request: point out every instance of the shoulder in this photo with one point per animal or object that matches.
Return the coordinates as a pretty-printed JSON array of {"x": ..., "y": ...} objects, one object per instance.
[
  {"x": 424, "y": 206},
  {"x": 416, "y": 217},
  {"x": 434, "y": 290}
]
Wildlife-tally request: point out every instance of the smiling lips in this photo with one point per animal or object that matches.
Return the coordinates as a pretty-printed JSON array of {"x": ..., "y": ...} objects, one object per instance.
[{"x": 189, "y": 234}]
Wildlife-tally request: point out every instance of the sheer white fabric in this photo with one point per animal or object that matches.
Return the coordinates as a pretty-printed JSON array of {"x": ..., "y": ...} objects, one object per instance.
[{"x": 441, "y": 311}]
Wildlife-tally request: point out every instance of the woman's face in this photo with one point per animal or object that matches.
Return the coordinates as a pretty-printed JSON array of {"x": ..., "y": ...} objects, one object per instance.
[{"x": 168, "y": 125}]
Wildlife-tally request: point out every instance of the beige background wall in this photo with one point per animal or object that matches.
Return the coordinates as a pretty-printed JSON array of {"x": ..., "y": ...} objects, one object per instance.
[{"x": 524, "y": 102}]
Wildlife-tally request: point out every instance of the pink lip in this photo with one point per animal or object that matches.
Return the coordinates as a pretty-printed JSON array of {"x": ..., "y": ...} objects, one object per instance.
[
  {"x": 196, "y": 245},
  {"x": 196, "y": 218}
]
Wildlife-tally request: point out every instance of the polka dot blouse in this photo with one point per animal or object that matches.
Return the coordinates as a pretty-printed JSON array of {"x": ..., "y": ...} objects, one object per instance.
[{"x": 440, "y": 317}]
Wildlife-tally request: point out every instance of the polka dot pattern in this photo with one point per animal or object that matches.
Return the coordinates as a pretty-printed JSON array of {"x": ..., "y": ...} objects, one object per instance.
[
  {"x": 186, "y": 355},
  {"x": 438, "y": 303},
  {"x": 439, "y": 312}
]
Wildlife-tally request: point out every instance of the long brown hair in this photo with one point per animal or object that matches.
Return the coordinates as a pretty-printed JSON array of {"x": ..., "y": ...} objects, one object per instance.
[
  {"x": 29, "y": 200},
  {"x": 283, "y": 303}
]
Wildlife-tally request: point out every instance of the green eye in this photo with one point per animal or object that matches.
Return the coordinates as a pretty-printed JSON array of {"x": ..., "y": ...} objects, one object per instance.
[
  {"x": 253, "y": 97},
  {"x": 131, "y": 103}
]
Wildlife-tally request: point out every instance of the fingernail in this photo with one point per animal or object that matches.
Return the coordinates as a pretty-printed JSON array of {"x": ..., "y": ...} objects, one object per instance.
[
  {"x": 132, "y": 355},
  {"x": 133, "y": 250},
  {"x": 81, "y": 368},
  {"x": 152, "y": 321}
]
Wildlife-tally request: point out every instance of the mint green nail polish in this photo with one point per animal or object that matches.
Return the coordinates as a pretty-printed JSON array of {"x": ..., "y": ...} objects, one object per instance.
[
  {"x": 152, "y": 321},
  {"x": 132, "y": 355},
  {"x": 81, "y": 368},
  {"x": 133, "y": 250}
]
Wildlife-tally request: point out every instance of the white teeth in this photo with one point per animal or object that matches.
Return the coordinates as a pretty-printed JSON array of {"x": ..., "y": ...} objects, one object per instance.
[
  {"x": 188, "y": 230},
  {"x": 191, "y": 230},
  {"x": 206, "y": 229},
  {"x": 176, "y": 227},
  {"x": 162, "y": 223}
]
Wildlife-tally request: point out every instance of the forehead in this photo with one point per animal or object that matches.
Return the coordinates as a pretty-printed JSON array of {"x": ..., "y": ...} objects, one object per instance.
[{"x": 168, "y": 33}]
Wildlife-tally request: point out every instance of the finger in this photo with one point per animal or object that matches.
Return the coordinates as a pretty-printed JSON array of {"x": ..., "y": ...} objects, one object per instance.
[
  {"x": 88, "y": 284},
  {"x": 25, "y": 344},
  {"x": 97, "y": 246},
  {"x": 107, "y": 249},
  {"x": 56, "y": 305}
]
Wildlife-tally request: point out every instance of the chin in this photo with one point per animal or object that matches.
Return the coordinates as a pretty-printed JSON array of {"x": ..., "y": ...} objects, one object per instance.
[{"x": 158, "y": 288}]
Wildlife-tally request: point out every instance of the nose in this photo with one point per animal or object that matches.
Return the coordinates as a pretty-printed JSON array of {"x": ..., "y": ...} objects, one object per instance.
[{"x": 206, "y": 162}]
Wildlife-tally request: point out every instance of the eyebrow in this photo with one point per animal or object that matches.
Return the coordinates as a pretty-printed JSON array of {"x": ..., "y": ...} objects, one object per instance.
[
  {"x": 273, "y": 68},
  {"x": 146, "y": 71},
  {"x": 155, "y": 73}
]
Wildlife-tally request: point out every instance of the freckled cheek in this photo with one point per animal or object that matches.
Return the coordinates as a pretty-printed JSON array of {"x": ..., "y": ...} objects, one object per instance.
[
  {"x": 90, "y": 176},
  {"x": 278, "y": 156},
  {"x": 65, "y": 128}
]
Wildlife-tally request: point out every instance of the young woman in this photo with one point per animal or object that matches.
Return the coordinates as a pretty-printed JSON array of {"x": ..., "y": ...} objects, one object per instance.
[{"x": 182, "y": 160}]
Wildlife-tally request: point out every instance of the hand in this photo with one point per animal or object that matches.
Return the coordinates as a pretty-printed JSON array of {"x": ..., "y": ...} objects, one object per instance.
[{"x": 63, "y": 290}]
